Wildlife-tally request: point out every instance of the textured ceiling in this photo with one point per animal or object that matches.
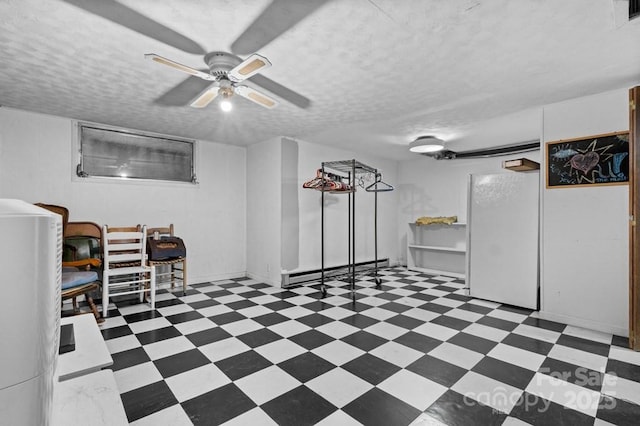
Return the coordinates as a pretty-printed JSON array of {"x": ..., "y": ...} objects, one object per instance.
[{"x": 377, "y": 73}]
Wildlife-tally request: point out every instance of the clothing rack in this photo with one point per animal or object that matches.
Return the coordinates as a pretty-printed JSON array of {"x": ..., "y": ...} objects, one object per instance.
[{"x": 348, "y": 171}]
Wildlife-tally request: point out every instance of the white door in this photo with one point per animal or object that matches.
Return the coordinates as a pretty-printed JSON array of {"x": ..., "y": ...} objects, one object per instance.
[{"x": 503, "y": 238}]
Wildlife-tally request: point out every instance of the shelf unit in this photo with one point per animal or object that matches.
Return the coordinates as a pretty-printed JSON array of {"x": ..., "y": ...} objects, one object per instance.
[{"x": 437, "y": 249}]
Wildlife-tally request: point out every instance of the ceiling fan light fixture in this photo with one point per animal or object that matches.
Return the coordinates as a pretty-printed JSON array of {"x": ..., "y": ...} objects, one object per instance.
[
  {"x": 426, "y": 144},
  {"x": 226, "y": 105},
  {"x": 226, "y": 90}
]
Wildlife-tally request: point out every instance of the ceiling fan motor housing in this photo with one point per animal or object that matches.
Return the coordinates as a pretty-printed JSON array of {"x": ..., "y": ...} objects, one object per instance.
[{"x": 220, "y": 63}]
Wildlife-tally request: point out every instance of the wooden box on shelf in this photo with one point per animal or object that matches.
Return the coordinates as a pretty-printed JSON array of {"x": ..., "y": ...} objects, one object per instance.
[{"x": 520, "y": 165}]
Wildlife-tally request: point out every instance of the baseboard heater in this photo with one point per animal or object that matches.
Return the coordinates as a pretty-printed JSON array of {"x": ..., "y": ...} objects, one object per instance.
[{"x": 291, "y": 279}]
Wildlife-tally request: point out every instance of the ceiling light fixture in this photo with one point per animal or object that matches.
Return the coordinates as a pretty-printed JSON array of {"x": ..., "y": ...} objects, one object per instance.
[
  {"x": 225, "y": 103},
  {"x": 426, "y": 144}
]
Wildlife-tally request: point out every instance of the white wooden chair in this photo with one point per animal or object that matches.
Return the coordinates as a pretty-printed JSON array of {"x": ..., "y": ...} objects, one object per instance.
[{"x": 125, "y": 269}]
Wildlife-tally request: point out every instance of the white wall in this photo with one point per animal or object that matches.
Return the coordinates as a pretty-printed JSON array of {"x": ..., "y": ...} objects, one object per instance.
[
  {"x": 585, "y": 229},
  {"x": 283, "y": 223},
  {"x": 290, "y": 221},
  {"x": 310, "y": 158},
  {"x": 36, "y": 166},
  {"x": 428, "y": 187},
  {"x": 264, "y": 211}
]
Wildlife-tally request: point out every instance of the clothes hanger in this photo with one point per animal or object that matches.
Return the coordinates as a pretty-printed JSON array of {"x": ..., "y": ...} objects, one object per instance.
[{"x": 384, "y": 187}]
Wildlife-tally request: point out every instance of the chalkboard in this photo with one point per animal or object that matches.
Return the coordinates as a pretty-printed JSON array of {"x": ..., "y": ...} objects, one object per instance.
[{"x": 593, "y": 160}]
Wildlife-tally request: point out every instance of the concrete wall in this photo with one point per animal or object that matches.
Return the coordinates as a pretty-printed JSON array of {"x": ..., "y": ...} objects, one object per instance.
[
  {"x": 264, "y": 211},
  {"x": 428, "y": 187},
  {"x": 283, "y": 231},
  {"x": 242, "y": 217},
  {"x": 36, "y": 165},
  {"x": 585, "y": 229},
  {"x": 310, "y": 158},
  {"x": 290, "y": 191}
]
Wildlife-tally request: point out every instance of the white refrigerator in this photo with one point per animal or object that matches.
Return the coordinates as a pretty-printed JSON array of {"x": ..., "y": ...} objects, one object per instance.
[
  {"x": 30, "y": 261},
  {"x": 503, "y": 238}
]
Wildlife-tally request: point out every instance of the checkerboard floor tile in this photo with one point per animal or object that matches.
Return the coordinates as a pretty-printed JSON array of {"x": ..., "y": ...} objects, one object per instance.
[{"x": 417, "y": 351}]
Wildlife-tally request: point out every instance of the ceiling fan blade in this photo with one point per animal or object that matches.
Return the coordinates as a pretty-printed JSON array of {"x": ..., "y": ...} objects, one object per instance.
[
  {"x": 255, "y": 96},
  {"x": 281, "y": 91},
  {"x": 250, "y": 66},
  {"x": 205, "y": 98},
  {"x": 277, "y": 18},
  {"x": 182, "y": 94},
  {"x": 180, "y": 67},
  {"x": 135, "y": 21}
]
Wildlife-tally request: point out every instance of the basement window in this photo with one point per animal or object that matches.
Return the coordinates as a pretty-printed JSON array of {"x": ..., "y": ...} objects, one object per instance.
[{"x": 125, "y": 154}]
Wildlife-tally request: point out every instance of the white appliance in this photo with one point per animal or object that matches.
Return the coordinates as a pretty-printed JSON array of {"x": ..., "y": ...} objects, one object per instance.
[
  {"x": 502, "y": 239},
  {"x": 30, "y": 271}
]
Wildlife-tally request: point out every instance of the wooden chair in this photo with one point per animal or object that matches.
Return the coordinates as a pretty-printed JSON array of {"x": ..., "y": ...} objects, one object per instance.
[
  {"x": 176, "y": 267},
  {"x": 82, "y": 245},
  {"x": 80, "y": 274},
  {"x": 77, "y": 283},
  {"x": 125, "y": 269},
  {"x": 83, "y": 251}
]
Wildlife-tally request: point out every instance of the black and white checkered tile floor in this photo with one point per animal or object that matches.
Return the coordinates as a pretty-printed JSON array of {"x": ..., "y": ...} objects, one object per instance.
[{"x": 239, "y": 352}]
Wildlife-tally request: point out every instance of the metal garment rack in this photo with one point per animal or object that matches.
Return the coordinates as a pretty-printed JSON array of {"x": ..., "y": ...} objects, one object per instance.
[{"x": 350, "y": 170}]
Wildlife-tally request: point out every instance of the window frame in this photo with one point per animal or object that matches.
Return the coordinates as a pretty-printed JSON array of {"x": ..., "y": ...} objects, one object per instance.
[{"x": 79, "y": 175}]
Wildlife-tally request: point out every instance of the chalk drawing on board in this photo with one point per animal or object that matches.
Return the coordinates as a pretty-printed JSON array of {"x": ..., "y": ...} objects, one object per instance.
[{"x": 597, "y": 160}]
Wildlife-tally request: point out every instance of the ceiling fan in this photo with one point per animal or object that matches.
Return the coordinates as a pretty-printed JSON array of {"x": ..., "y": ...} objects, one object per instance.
[
  {"x": 226, "y": 74},
  {"x": 277, "y": 18}
]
